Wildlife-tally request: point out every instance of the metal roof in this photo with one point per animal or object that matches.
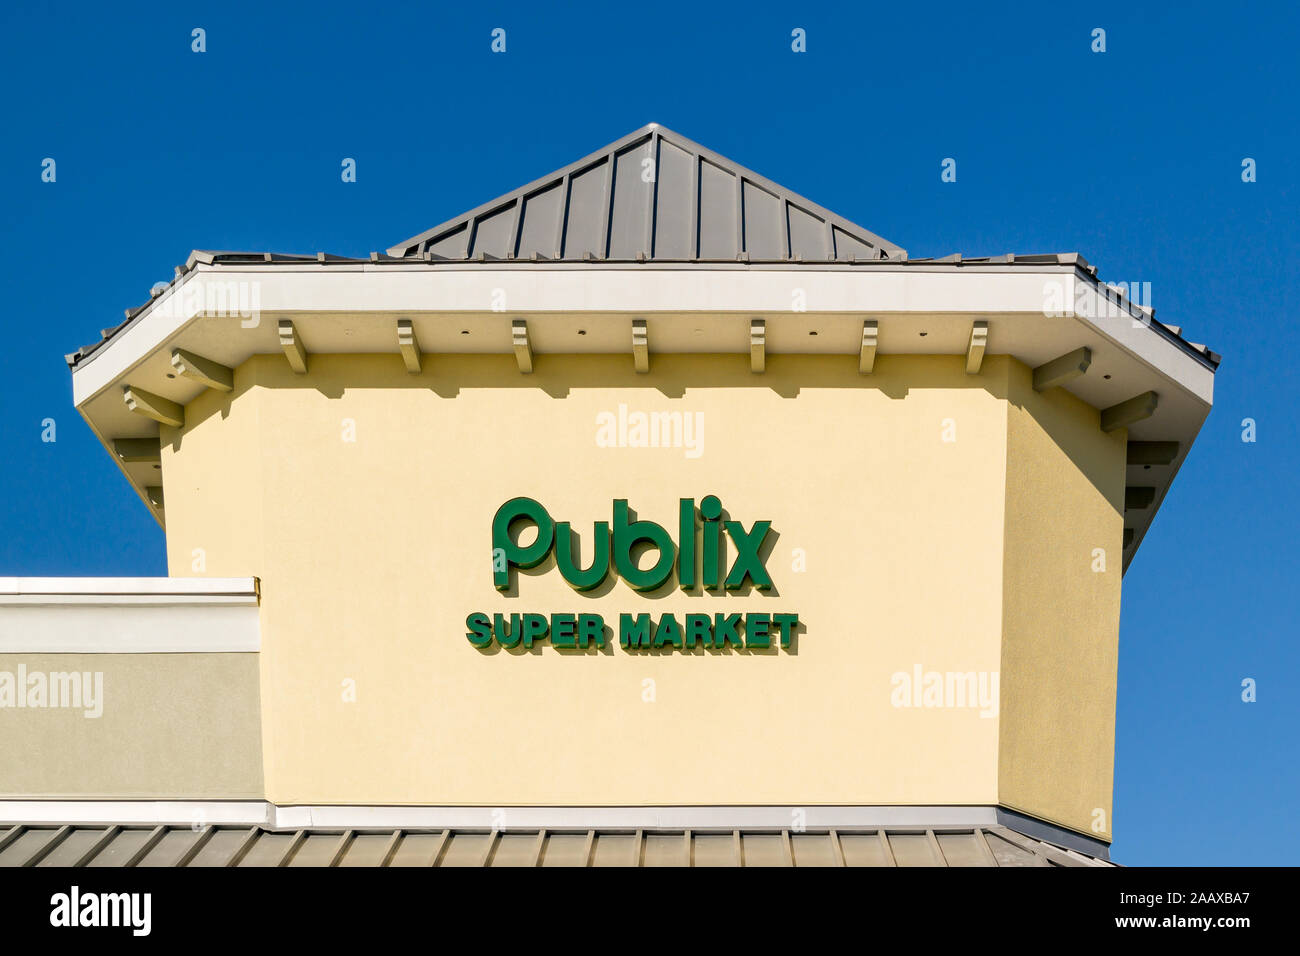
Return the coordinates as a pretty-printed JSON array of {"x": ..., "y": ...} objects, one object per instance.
[
  {"x": 129, "y": 846},
  {"x": 653, "y": 197},
  {"x": 653, "y": 194},
  {"x": 951, "y": 262}
]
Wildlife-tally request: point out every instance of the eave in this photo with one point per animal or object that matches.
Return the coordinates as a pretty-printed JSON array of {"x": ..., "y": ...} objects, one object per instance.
[{"x": 415, "y": 307}]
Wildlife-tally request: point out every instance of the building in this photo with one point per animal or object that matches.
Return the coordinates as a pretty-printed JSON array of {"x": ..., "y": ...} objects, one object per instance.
[{"x": 428, "y": 599}]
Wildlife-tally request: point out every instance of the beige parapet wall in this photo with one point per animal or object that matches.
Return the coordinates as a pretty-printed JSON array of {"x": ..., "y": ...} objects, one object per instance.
[
  {"x": 131, "y": 688},
  {"x": 1060, "y": 612},
  {"x": 927, "y": 521}
]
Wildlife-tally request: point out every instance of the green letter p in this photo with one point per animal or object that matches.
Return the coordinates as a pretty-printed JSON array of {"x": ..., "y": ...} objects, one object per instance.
[{"x": 517, "y": 555}]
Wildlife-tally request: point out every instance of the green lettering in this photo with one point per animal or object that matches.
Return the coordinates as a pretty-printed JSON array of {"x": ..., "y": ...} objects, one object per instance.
[
  {"x": 480, "y": 630},
  {"x": 505, "y": 637},
  {"x": 563, "y": 627},
  {"x": 686, "y": 543},
  {"x": 756, "y": 630},
  {"x": 591, "y": 627},
  {"x": 726, "y": 627},
  {"x": 668, "y": 632},
  {"x": 534, "y": 628},
  {"x": 698, "y": 629},
  {"x": 566, "y": 560},
  {"x": 748, "y": 564},
  {"x": 520, "y": 556},
  {"x": 628, "y": 533},
  {"x": 632, "y": 634},
  {"x": 785, "y": 625},
  {"x": 710, "y": 510}
]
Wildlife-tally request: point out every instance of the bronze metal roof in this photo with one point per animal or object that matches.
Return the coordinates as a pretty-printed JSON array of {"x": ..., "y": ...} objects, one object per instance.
[{"x": 129, "y": 846}]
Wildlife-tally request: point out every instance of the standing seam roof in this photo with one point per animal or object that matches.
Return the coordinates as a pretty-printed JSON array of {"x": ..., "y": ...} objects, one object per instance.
[
  {"x": 229, "y": 846},
  {"x": 651, "y": 195}
]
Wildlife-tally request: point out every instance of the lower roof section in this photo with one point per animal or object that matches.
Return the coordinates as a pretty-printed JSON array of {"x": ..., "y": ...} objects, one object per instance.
[
  {"x": 117, "y": 846},
  {"x": 183, "y": 833}
]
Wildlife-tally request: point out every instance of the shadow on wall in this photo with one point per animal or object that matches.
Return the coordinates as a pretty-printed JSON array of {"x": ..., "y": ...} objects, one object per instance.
[
  {"x": 672, "y": 375},
  {"x": 556, "y": 375}
]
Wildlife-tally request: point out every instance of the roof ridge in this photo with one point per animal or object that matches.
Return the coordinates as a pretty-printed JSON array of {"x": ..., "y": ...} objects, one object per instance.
[{"x": 695, "y": 204}]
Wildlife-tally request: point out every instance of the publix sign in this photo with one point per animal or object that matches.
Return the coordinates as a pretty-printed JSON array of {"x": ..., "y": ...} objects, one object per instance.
[{"x": 695, "y": 556}]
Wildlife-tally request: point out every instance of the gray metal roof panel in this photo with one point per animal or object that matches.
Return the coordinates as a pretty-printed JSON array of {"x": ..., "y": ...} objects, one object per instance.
[
  {"x": 653, "y": 194},
  {"x": 118, "y": 846}
]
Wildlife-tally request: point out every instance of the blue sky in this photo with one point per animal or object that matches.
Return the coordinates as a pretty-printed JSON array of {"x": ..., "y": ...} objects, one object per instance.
[{"x": 1131, "y": 157}]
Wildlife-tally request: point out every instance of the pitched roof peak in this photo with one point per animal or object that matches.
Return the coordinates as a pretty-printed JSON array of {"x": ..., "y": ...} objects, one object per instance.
[{"x": 651, "y": 195}]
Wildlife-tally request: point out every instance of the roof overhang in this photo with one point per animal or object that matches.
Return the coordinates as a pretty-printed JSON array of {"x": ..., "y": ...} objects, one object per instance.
[{"x": 1037, "y": 311}]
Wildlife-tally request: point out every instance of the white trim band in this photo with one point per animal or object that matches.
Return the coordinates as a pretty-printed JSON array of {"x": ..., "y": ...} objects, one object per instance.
[
  {"x": 59, "y": 590},
  {"x": 129, "y": 615},
  {"x": 261, "y": 813}
]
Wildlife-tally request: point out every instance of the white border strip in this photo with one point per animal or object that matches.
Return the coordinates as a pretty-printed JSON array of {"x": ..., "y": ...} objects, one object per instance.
[
  {"x": 246, "y": 813},
  {"x": 126, "y": 812},
  {"x": 76, "y": 589},
  {"x": 260, "y": 813},
  {"x": 129, "y": 615},
  {"x": 633, "y": 818}
]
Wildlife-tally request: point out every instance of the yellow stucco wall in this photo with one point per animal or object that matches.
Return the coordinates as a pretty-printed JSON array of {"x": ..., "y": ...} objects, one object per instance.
[
  {"x": 1061, "y": 602},
  {"x": 170, "y": 726},
  {"x": 372, "y": 552},
  {"x": 220, "y": 482}
]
